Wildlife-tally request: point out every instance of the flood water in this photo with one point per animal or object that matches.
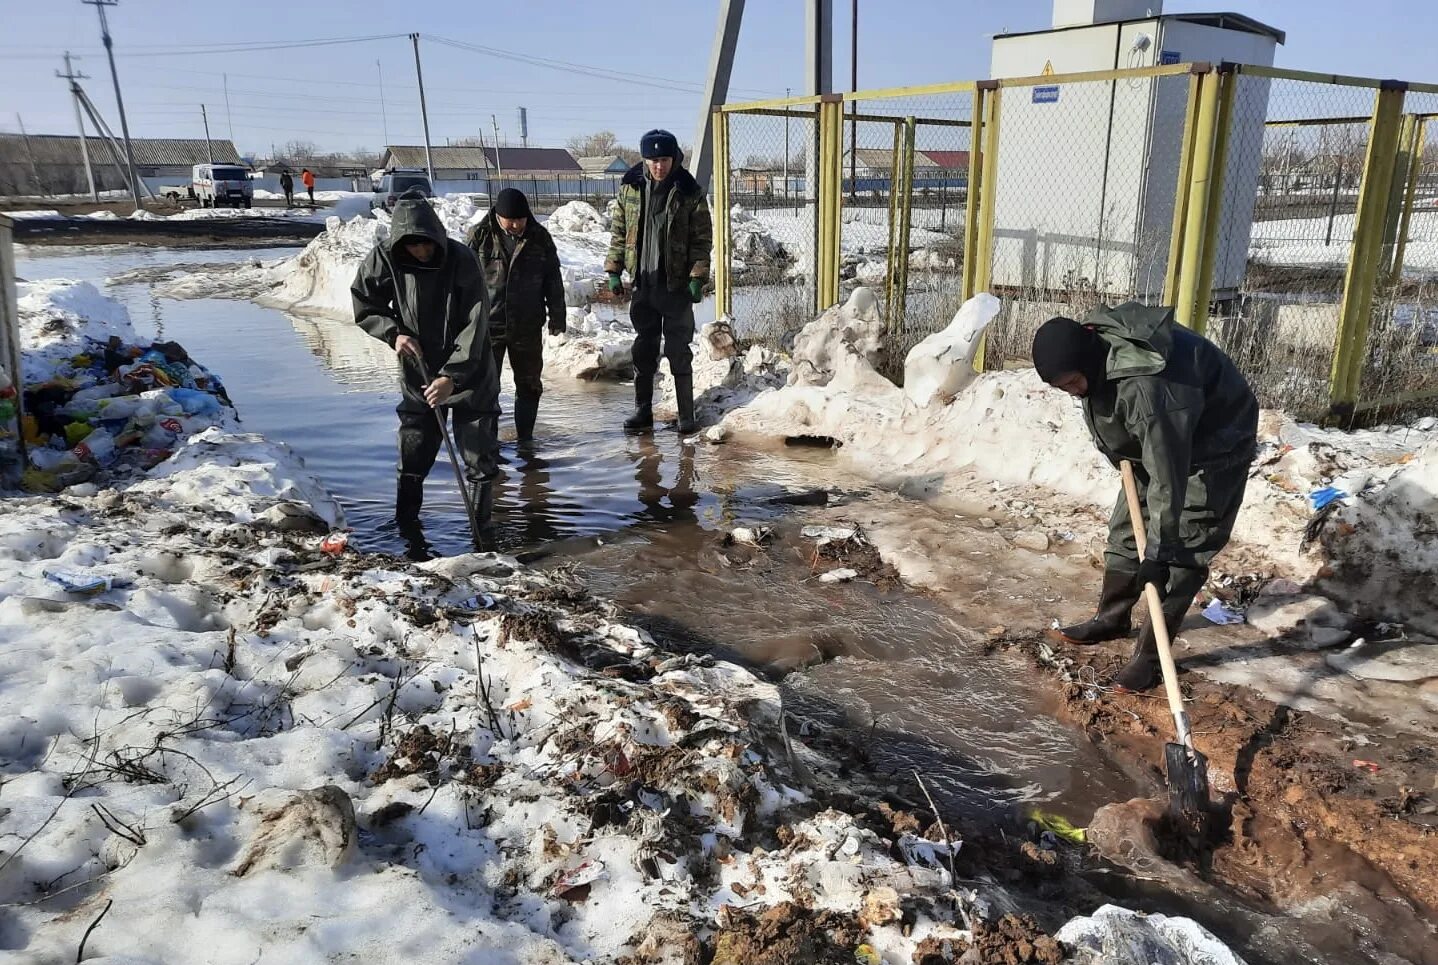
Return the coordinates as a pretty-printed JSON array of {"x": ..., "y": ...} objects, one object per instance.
[{"x": 642, "y": 519}]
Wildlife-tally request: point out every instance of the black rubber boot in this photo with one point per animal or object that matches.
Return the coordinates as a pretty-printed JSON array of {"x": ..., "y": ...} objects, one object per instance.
[
  {"x": 1142, "y": 672},
  {"x": 643, "y": 418},
  {"x": 1112, "y": 619},
  {"x": 482, "y": 494},
  {"x": 526, "y": 411},
  {"x": 409, "y": 496},
  {"x": 684, "y": 395}
]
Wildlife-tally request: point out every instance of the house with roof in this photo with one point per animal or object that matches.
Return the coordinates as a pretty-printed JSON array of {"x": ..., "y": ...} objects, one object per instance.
[
  {"x": 484, "y": 163},
  {"x": 54, "y": 164},
  {"x": 604, "y": 166}
]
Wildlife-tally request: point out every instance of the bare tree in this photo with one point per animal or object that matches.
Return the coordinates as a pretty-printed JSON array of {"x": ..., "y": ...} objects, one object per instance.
[
  {"x": 601, "y": 144},
  {"x": 300, "y": 150}
]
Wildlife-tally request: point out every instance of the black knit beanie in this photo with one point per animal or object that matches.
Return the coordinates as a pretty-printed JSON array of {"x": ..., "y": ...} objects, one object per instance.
[{"x": 511, "y": 203}]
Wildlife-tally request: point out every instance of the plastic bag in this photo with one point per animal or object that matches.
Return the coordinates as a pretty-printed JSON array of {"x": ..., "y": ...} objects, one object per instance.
[{"x": 195, "y": 402}]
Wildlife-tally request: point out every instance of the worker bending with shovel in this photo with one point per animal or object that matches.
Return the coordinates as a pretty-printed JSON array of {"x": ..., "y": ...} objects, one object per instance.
[
  {"x": 1174, "y": 407},
  {"x": 423, "y": 294}
]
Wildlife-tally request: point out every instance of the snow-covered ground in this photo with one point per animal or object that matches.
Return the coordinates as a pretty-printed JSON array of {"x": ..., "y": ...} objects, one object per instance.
[
  {"x": 1299, "y": 242},
  {"x": 228, "y": 739}
]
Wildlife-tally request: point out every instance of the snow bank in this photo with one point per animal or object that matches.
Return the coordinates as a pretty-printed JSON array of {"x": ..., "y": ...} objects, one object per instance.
[
  {"x": 319, "y": 278},
  {"x": 57, "y": 316},
  {"x": 1009, "y": 430},
  {"x": 1117, "y": 936},
  {"x": 1385, "y": 547},
  {"x": 576, "y": 217}
]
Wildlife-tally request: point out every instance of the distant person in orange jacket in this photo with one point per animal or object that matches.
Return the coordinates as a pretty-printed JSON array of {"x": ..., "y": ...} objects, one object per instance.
[{"x": 308, "y": 177}]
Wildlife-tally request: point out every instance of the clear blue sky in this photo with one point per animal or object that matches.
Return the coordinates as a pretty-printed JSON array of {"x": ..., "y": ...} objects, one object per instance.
[{"x": 330, "y": 94}]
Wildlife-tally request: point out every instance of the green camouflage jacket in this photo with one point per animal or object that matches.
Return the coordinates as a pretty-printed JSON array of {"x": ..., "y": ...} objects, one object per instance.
[{"x": 689, "y": 237}]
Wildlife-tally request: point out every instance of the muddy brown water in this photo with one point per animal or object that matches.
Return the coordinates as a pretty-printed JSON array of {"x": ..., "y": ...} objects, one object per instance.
[{"x": 912, "y": 687}]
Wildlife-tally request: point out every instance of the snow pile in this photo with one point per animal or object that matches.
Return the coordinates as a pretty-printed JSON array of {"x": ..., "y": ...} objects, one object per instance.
[
  {"x": 576, "y": 218},
  {"x": 58, "y": 316},
  {"x": 591, "y": 347},
  {"x": 1384, "y": 547},
  {"x": 753, "y": 242},
  {"x": 1009, "y": 431},
  {"x": 319, "y": 278},
  {"x": 939, "y": 367}
]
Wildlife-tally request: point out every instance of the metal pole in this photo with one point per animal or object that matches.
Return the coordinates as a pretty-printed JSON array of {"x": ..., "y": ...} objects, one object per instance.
[
  {"x": 854, "y": 108},
  {"x": 1358, "y": 284},
  {"x": 1191, "y": 267},
  {"x": 716, "y": 87},
  {"x": 134, "y": 177},
  {"x": 1415, "y": 168},
  {"x": 819, "y": 80},
  {"x": 971, "y": 191},
  {"x": 723, "y": 240},
  {"x": 1333, "y": 201},
  {"x": 72, "y": 77},
  {"x": 1213, "y": 216},
  {"x": 786, "y": 151},
  {"x": 1180, "y": 198},
  {"x": 383, "y": 114},
  {"x": 984, "y": 236},
  {"x": 423, "y": 110},
  {"x": 209, "y": 148}
]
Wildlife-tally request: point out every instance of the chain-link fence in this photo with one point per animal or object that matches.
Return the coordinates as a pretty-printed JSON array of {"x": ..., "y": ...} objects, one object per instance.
[
  {"x": 1292, "y": 217},
  {"x": 772, "y": 222}
]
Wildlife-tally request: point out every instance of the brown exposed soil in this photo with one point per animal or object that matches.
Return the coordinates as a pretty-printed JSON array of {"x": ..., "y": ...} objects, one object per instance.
[
  {"x": 1300, "y": 809},
  {"x": 785, "y": 934},
  {"x": 1012, "y": 940}
]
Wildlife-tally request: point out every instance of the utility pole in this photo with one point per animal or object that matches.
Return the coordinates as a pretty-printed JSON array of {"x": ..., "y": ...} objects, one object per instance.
[
  {"x": 209, "y": 149},
  {"x": 497, "y": 162},
  {"x": 74, "y": 79},
  {"x": 786, "y": 147},
  {"x": 854, "y": 110},
  {"x": 716, "y": 88},
  {"x": 100, "y": 6},
  {"x": 423, "y": 110},
  {"x": 383, "y": 114},
  {"x": 34, "y": 170},
  {"x": 117, "y": 153},
  {"x": 229, "y": 118}
]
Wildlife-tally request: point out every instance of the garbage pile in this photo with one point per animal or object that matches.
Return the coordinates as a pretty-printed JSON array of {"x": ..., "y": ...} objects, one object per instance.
[{"x": 115, "y": 407}]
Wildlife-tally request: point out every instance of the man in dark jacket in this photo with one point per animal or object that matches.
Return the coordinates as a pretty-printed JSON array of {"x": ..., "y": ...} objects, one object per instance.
[
  {"x": 661, "y": 234},
  {"x": 287, "y": 185},
  {"x": 423, "y": 294},
  {"x": 526, "y": 287},
  {"x": 1177, "y": 408}
]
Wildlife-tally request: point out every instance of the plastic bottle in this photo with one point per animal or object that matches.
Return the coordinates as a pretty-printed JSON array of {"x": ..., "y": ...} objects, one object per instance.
[{"x": 98, "y": 446}]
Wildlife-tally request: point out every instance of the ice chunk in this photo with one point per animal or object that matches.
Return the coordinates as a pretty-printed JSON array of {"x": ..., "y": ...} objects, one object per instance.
[{"x": 941, "y": 365}]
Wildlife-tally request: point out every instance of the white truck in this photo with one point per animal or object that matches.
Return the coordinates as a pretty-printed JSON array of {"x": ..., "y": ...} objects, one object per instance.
[{"x": 219, "y": 185}]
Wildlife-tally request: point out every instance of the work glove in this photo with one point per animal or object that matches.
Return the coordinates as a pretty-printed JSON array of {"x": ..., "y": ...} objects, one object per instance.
[
  {"x": 1152, "y": 571},
  {"x": 696, "y": 290},
  {"x": 615, "y": 284}
]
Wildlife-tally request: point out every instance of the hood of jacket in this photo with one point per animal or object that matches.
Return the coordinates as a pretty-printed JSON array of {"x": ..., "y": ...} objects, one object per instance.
[
  {"x": 1138, "y": 338},
  {"x": 415, "y": 218},
  {"x": 679, "y": 178}
]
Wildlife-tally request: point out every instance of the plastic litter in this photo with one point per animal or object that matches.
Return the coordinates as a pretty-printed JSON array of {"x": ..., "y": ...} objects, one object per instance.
[
  {"x": 1061, "y": 827},
  {"x": 80, "y": 582},
  {"x": 195, "y": 402},
  {"x": 1220, "y": 613},
  {"x": 587, "y": 873},
  {"x": 919, "y": 851},
  {"x": 1368, "y": 766},
  {"x": 52, "y": 460},
  {"x": 865, "y": 955},
  {"x": 838, "y": 576},
  {"x": 1322, "y": 497},
  {"x": 334, "y": 544},
  {"x": 752, "y": 535}
]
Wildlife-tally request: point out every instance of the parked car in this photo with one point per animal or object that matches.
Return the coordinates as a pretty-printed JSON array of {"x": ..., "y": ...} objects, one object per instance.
[
  {"x": 396, "y": 183},
  {"x": 217, "y": 185}
]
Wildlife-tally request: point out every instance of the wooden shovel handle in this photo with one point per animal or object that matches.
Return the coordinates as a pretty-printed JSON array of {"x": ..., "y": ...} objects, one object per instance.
[{"x": 1155, "y": 612}]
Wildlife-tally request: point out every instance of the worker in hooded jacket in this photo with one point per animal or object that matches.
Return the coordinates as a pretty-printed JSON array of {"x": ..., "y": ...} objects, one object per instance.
[
  {"x": 1176, "y": 407},
  {"x": 423, "y": 295},
  {"x": 526, "y": 290}
]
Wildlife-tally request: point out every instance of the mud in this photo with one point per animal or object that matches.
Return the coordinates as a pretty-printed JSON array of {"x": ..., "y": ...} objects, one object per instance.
[
  {"x": 786, "y": 933},
  {"x": 1302, "y": 810},
  {"x": 1012, "y": 940}
]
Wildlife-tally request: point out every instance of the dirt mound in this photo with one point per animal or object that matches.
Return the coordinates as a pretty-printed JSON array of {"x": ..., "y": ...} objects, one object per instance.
[
  {"x": 1012, "y": 940},
  {"x": 786, "y": 934}
]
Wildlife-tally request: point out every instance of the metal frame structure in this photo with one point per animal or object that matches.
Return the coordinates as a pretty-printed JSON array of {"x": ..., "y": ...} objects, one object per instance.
[{"x": 1387, "y": 192}]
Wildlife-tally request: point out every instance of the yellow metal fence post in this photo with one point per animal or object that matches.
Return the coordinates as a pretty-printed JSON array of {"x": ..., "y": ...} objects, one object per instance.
[
  {"x": 1181, "y": 191},
  {"x": 830, "y": 171},
  {"x": 971, "y": 198},
  {"x": 1415, "y": 169},
  {"x": 984, "y": 240},
  {"x": 906, "y": 211},
  {"x": 723, "y": 232},
  {"x": 895, "y": 161},
  {"x": 1227, "y": 80},
  {"x": 1355, "y": 312},
  {"x": 1200, "y": 183}
]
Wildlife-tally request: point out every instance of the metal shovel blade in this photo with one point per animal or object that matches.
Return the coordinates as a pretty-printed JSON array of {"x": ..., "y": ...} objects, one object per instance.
[{"x": 1187, "y": 780}]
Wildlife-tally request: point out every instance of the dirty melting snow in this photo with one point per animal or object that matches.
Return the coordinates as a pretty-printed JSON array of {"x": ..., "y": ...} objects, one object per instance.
[{"x": 251, "y": 749}]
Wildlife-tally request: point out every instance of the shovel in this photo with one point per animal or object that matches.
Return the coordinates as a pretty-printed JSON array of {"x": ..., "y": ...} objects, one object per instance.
[
  {"x": 453, "y": 458},
  {"x": 1187, "y": 768}
]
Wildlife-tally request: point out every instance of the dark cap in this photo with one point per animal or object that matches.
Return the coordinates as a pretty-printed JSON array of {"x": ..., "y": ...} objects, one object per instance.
[
  {"x": 659, "y": 143},
  {"x": 511, "y": 203}
]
